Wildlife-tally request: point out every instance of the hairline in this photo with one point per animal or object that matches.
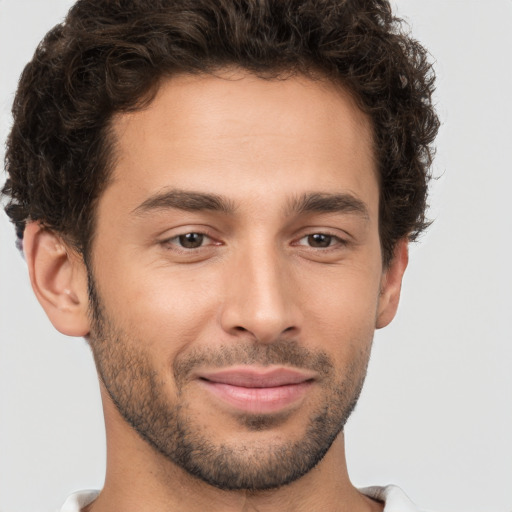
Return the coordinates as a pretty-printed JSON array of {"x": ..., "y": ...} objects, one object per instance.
[{"x": 311, "y": 72}]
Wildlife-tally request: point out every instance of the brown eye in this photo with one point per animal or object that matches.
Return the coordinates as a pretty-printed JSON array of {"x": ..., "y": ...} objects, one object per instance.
[
  {"x": 319, "y": 240},
  {"x": 191, "y": 240}
]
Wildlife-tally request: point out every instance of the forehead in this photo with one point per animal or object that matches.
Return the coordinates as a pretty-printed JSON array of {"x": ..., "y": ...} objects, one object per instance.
[{"x": 239, "y": 135}]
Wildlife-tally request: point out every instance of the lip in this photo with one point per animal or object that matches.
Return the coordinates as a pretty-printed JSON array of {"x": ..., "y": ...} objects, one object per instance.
[{"x": 258, "y": 390}]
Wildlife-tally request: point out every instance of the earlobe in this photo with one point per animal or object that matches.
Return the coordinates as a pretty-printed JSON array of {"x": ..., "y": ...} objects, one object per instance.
[
  {"x": 59, "y": 279},
  {"x": 391, "y": 285}
]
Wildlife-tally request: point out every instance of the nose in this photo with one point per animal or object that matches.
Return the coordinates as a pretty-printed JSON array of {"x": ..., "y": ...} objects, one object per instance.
[{"x": 261, "y": 300}]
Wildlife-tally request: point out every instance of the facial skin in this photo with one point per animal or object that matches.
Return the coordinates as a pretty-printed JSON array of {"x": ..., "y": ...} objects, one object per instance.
[{"x": 236, "y": 280}]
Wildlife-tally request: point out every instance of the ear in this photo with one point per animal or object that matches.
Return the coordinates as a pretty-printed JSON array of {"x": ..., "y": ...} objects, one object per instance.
[
  {"x": 59, "y": 279},
  {"x": 391, "y": 284}
]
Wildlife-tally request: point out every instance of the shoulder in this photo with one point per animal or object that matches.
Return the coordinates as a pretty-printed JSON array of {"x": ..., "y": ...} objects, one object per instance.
[
  {"x": 78, "y": 500},
  {"x": 394, "y": 499}
]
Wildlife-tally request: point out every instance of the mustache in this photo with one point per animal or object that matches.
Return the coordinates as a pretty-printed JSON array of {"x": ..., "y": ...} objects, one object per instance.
[{"x": 280, "y": 352}]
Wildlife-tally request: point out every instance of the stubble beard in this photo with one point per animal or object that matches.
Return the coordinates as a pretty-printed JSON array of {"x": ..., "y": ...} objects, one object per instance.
[{"x": 139, "y": 394}]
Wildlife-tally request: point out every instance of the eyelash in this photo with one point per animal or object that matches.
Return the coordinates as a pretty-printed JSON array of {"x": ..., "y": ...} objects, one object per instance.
[
  {"x": 334, "y": 240},
  {"x": 177, "y": 241}
]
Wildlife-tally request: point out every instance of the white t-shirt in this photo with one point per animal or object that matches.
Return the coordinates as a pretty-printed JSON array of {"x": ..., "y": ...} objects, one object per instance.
[{"x": 394, "y": 498}]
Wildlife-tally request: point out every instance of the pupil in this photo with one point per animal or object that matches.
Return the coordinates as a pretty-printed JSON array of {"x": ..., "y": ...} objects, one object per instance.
[
  {"x": 191, "y": 240},
  {"x": 319, "y": 240}
]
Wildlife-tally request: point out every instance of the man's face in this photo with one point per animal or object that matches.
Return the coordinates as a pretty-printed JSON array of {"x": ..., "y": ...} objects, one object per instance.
[{"x": 236, "y": 274}]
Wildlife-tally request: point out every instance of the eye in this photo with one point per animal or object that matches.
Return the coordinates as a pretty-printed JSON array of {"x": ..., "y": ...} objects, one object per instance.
[
  {"x": 190, "y": 240},
  {"x": 320, "y": 240},
  {"x": 189, "y": 246}
]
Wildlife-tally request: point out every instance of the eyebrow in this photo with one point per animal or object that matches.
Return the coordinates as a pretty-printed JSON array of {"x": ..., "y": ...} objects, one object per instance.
[
  {"x": 184, "y": 200},
  {"x": 316, "y": 202},
  {"x": 329, "y": 203}
]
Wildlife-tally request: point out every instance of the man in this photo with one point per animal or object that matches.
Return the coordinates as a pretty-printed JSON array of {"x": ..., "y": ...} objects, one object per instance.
[{"x": 219, "y": 196}]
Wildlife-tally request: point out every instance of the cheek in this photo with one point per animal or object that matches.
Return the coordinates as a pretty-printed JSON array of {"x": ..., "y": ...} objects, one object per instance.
[
  {"x": 341, "y": 314},
  {"x": 165, "y": 310}
]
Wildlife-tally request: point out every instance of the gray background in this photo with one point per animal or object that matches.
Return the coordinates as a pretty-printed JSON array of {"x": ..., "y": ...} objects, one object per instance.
[{"x": 436, "y": 413}]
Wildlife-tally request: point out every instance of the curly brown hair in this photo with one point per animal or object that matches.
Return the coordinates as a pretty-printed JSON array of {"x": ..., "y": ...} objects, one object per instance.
[{"x": 109, "y": 56}]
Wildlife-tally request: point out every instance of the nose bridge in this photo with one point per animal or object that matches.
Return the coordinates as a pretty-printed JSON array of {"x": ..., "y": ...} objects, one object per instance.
[{"x": 260, "y": 300}]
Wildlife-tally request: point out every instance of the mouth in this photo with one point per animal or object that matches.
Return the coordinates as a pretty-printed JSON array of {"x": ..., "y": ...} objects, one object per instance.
[{"x": 258, "y": 390}]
